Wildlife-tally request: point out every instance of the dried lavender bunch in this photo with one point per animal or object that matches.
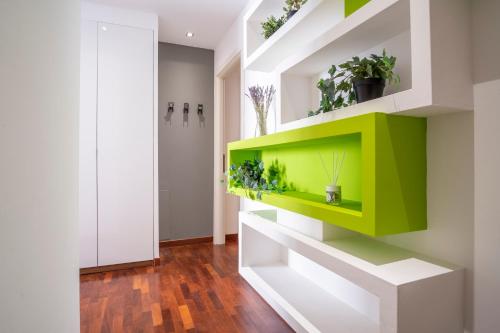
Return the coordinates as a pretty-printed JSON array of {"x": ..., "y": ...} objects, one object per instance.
[{"x": 261, "y": 98}]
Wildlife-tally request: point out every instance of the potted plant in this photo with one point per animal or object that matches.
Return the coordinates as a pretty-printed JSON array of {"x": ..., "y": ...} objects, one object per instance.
[
  {"x": 368, "y": 76},
  {"x": 271, "y": 25},
  {"x": 334, "y": 94},
  {"x": 292, "y": 7},
  {"x": 261, "y": 98},
  {"x": 251, "y": 176}
]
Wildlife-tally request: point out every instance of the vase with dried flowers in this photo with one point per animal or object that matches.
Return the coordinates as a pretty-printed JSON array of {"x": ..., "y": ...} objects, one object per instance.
[{"x": 261, "y": 98}]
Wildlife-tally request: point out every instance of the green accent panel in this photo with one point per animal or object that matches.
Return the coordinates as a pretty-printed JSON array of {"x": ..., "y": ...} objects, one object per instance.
[
  {"x": 353, "y": 5},
  {"x": 319, "y": 165},
  {"x": 383, "y": 178}
]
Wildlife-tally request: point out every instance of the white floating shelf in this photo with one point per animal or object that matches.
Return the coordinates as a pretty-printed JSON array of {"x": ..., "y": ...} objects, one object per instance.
[
  {"x": 429, "y": 39},
  {"x": 315, "y": 17},
  {"x": 352, "y": 284}
]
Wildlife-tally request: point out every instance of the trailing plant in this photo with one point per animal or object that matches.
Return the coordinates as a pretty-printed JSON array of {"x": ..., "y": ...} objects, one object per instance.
[
  {"x": 250, "y": 176},
  {"x": 261, "y": 98},
  {"x": 334, "y": 94},
  {"x": 276, "y": 178},
  {"x": 338, "y": 89},
  {"x": 271, "y": 25}
]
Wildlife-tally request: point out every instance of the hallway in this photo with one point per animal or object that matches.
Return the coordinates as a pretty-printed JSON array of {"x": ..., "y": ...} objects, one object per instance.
[{"x": 196, "y": 288}]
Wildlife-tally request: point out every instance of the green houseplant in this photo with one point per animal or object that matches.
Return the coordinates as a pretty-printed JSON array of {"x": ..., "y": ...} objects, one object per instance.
[
  {"x": 357, "y": 80},
  {"x": 368, "y": 76},
  {"x": 251, "y": 176},
  {"x": 292, "y": 7},
  {"x": 271, "y": 25},
  {"x": 334, "y": 93}
]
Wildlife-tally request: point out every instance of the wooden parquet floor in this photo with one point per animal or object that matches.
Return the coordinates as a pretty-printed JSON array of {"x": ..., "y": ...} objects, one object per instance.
[{"x": 196, "y": 288}]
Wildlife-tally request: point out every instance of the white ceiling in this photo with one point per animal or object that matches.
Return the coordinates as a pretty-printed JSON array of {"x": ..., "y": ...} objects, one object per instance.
[{"x": 207, "y": 19}]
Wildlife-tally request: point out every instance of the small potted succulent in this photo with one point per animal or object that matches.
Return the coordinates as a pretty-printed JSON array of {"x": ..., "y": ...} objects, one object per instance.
[
  {"x": 369, "y": 75},
  {"x": 271, "y": 25},
  {"x": 292, "y": 7}
]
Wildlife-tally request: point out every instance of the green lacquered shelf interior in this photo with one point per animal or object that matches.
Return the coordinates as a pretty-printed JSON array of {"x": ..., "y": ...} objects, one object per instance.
[
  {"x": 305, "y": 199},
  {"x": 307, "y": 166},
  {"x": 383, "y": 175},
  {"x": 319, "y": 201}
]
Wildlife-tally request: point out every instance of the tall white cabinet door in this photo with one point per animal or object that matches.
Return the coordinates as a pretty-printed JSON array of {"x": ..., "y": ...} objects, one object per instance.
[
  {"x": 87, "y": 148},
  {"x": 125, "y": 144}
]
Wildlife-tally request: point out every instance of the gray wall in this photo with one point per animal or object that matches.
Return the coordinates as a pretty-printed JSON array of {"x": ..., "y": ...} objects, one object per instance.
[{"x": 185, "y": 74}]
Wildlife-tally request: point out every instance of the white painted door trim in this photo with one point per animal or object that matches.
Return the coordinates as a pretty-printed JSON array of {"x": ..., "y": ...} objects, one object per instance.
[{"x": 219, "y": 178}]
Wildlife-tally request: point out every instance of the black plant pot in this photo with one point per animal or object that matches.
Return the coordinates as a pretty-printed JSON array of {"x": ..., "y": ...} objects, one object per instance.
[
  {"x": 367, "y": 89},
  {"x": 291, "y": 13}
]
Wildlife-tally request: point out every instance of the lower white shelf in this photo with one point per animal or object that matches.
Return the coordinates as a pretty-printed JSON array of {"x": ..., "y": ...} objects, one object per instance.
[
  {"x": 311, "y": 308},
  {"x": 347, "y": 285}
]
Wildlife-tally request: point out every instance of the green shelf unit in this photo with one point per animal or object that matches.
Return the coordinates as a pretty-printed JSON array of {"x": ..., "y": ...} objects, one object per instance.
[
  {"x": 353, "y": 5},
  {"x": 383, "y": 178}
]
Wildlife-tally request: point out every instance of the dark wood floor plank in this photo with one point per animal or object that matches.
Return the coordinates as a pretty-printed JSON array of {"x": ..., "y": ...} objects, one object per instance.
[{"x": 196, "y": 288}]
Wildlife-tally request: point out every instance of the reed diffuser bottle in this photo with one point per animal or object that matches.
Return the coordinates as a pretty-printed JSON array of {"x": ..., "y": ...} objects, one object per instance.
[{"x": 333, "y": 192}]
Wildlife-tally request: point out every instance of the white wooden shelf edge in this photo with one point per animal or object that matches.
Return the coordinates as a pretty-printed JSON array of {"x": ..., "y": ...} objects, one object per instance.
[
  {"x": 404, "y": 103},
  {"x": 311, "y": 308},
  {"x": 315, "y": 17},
  {"x": 325, "y": 286}
]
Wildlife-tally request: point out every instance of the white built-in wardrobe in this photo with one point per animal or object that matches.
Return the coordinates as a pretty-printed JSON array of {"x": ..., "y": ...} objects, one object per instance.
[{"x": 116, "y": 144}]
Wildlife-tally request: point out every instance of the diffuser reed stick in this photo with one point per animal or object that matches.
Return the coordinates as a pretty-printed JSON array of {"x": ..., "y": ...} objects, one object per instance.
[
  {"x": 333, "y": 192},
  {"x": 327, "y": 173},
  {"x": 337, "y": 167}
]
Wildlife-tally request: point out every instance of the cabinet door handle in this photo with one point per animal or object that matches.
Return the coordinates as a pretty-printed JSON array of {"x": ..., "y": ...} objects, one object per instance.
[{"x": 224, "y": 163}]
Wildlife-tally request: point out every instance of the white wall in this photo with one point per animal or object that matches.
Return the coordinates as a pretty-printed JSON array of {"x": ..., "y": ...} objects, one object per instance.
[
  {"x": 487, "y": 214},
  {"x": 39, "y": 93},
  {"x": 486, "y": 52},
  {"x": 232, "y": 103},
  {"x": 450, "y": 199},
  {"x": 94, "y": 12}
]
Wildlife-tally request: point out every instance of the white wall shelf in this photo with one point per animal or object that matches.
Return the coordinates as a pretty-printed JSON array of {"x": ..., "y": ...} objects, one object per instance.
[
  {"x": 295, "y": 294},
  {"x": 315, "y": 17},
  {"x": 430, "y": 39},
  {"x": 353, "y": 284}
]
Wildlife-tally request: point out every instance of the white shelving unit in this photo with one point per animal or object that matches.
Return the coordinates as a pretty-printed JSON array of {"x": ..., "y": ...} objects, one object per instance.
[
  {"x": 352, "y": 284},
  {"x": 316, "y": 16},
  {"x": 327, "y": 308},
  {"x": 430, "y": 38},
  {"x": 322, "y": 280}
]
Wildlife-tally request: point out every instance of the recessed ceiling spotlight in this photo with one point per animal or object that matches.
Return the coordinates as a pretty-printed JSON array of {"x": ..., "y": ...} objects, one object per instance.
[{"x": 189, "y": 34}]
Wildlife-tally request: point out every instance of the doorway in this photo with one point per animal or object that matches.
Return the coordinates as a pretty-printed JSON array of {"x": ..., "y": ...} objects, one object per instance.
[{"x": 228, "y": 105}]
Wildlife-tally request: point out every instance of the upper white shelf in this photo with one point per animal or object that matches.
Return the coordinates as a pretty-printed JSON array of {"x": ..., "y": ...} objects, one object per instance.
[
  {"x": 430, "y": 39},
  {"x": 315, "y": 17},
  {"x": 371, "y": 25}
]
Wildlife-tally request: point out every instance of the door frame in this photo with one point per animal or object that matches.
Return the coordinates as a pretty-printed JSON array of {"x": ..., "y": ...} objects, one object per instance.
[{"x": 219, "y": 230}]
